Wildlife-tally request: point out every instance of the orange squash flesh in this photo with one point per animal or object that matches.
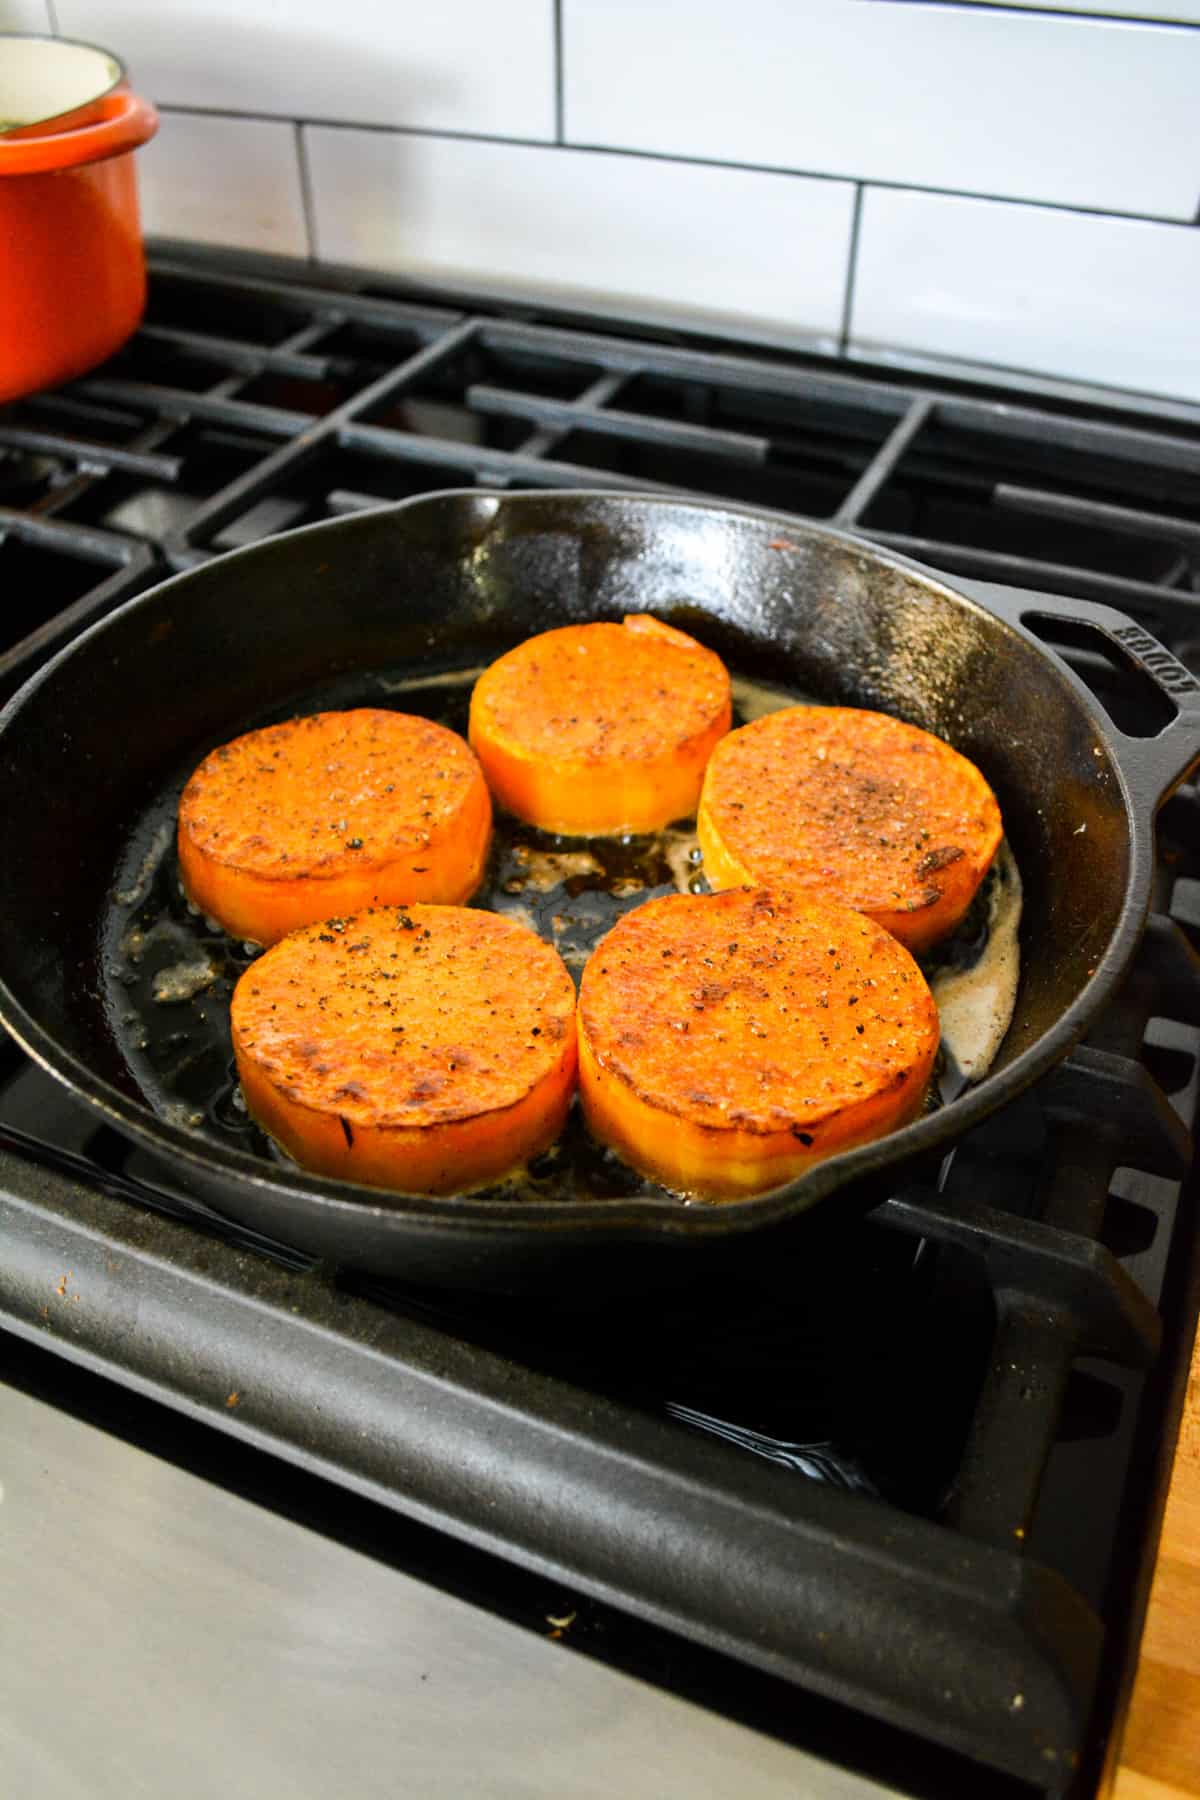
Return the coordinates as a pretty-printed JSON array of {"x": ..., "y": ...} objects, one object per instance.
[
  {"x": 853, "y": 806},
  {"x": 601, "y": 729},
  {"x": 330, "y": 813},
  {"x": 428, "y": 1049},
  {"x": 728, "y": 1042}
]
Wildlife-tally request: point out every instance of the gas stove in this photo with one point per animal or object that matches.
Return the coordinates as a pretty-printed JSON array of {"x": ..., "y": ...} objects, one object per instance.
[{"x": 897, "y": 1510}]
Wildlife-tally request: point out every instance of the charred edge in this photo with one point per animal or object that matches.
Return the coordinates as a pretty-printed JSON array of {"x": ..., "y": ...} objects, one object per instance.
[
  {"x": 347, "y": 1130},
  {"x": 930, "y": 897},
  {"x": 939, "y": 859}
]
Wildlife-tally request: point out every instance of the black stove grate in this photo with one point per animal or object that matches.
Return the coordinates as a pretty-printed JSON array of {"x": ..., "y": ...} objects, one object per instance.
[
  {"x": 934, "y": 1575},
  {"x": 247, "y": 404}
]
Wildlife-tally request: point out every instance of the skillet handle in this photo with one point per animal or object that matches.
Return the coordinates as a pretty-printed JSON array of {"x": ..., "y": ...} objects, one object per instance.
[{"x": 1152, "y": 766}]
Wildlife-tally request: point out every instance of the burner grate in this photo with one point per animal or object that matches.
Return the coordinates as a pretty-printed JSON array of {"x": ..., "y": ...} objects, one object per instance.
[{"x": 247, "y": 404}]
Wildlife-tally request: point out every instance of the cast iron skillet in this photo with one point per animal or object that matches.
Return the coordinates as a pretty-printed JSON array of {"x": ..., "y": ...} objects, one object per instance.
[{"x": 451, "y": 580}]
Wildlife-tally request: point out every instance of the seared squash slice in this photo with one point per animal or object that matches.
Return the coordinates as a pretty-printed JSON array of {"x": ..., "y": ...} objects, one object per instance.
[
  {"x": 728, "y": 1042},
  {"x": 428, "y": 1048},
  {"x": 330, "y": 813},
  {"x": 851, "y": 806},
  {"x": 600, "y": 729}
]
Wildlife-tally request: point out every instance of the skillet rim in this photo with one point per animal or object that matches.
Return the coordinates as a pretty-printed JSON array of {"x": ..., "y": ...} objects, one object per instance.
[{"x": 463, "y": 1217}]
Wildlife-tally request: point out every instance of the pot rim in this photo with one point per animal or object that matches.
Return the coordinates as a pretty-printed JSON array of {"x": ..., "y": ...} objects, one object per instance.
[
  {"x": 79, "y": 109},
  {"x": 120, "y": 122}
]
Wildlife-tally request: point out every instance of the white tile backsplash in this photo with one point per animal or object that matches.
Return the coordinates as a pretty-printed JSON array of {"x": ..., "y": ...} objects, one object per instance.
[
  {"x": 224, "y": 181},
  {"x": 709, "y": 246},
  {"x": 1072, "y": 111},
  {"x": 1107, "y": 300},
  {"x": 715, "y": 155},
  {"x": 461, "y": 65},
  {"x": 25, "y": 15}
]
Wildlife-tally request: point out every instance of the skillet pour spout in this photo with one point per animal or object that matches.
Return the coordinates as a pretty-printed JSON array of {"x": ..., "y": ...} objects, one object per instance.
[{"x": 448, "y": 581}]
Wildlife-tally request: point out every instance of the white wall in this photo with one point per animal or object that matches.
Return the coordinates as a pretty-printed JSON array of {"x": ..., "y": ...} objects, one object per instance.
[{"x": 1007, "y": 185}]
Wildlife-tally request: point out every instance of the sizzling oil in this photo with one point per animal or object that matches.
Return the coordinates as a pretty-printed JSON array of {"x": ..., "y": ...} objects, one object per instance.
[{"x": 170, "y": 973}]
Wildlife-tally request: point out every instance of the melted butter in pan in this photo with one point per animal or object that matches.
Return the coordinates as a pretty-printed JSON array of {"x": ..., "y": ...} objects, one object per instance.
[
  {"x": 974, "y": 979},
  {"x": 755, "y": 699}
]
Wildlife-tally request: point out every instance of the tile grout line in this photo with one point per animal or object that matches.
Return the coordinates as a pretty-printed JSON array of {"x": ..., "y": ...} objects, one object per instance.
[
  {"x": 560, "y": 133},
  {"x": 306, "y": 193},
  {"x": 678, "y": 161},
  {"x": 1056, "y": 12},
  {"x": 851, "y": 269},
  {"x": 52, "y": 16}
]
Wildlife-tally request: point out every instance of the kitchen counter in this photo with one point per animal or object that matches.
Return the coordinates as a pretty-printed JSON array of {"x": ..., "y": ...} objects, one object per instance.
[{"x": 1160, "y": 1754}]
